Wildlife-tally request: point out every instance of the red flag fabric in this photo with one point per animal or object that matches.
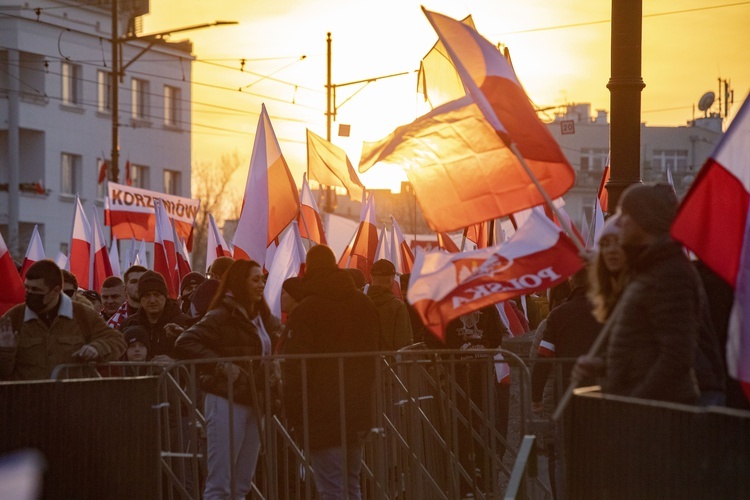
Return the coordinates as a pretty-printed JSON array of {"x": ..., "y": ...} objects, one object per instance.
[
  {"x": 444, "y": 286},
  {"x": 271, "y": 200},
  {"x": 34, "y": 253},
  {"x": 183, "y": 261},
  {"x": 216, "y": 245},
  {"x": 308, "y": 220},
  {"x": 101, "y": 267},
  {"x": 404, "y": 254},
  {"x": 165, "y": 258},
  {"x": 478, "y": 234},
  {"x": 102, "y": 172},
  {"x": 713, "y": 223},
  {"x": 365, "y": 243},
  {"x": 128, "y": 174},
  {"x": 603, "y": 194},
  {"x": 445, "y": 242},
  {"x": 79, "y": 256},
  {"x": 12, "y": 292}
]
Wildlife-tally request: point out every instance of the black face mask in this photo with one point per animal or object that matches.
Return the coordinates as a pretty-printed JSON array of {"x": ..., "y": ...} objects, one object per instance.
[
  {"x": 70, "y": 292},
  {"x": 35, "y": 301}
]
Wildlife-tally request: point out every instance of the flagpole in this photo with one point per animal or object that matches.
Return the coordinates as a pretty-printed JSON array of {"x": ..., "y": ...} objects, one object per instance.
[{"x": 563, "y": 221}]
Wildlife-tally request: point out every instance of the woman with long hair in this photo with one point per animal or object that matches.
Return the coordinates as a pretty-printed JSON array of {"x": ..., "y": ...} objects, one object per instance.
[
  {"x": 608, "y": 272},
  {"x": 238, "y": 324}
]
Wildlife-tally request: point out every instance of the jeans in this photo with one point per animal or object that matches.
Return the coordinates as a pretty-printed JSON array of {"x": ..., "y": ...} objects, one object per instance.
[
  {"x": 245, "y": 446},
  {"x": 328, "y": 465}
]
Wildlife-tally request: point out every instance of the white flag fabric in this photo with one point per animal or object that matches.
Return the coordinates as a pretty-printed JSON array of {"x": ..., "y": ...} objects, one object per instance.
[{"x": 287, "y": 263}]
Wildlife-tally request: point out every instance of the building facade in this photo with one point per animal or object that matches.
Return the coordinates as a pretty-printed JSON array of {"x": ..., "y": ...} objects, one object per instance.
[{"x": 56, "y": 115}]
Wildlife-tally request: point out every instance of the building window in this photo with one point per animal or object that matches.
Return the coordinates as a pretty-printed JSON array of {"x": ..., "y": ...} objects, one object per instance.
[
  {"x": 70, "y": 168},
  {"x": 172, "y": 182},
  {"x": 171, "y": 106},
  {"x": 674, "y": 159},
  {"x": 104, "y": 91},
  {"x": 139, "y": 176},
  {"x": 71, "y": 84},
  {"x": 593, "y": 159},
  {"x": 140, "y": 99}
]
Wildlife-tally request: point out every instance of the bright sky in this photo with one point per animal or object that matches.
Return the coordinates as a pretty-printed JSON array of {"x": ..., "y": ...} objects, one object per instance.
[{"x": 560, "y": 50}]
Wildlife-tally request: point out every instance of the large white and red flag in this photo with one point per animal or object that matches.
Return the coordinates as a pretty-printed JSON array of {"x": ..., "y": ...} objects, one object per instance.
[
  {"x": 271, "y": 200},
  {"x": 329, "y": 165},
  {"x": 287, "y": 263},
  {"x": 101, "y": 267},
  {"x": 114, "y": 257},
  {"x": 216, "y": 246},
  {"x": 402, "y": 252},
  {"x": 79, "y": 256},
  {"x": 459, "y": 157},
  {"x": 385, "y": 248},
  {"x": 365, "y": 243},
  {"x": 713, "y": 221},
  {"x": 183, "y": 257},
  {"x": 310, "y": 223},
  {"x": 12, "y": 291},
  {"x": 165, "y": 256},
  {"x": 34, "y": 252},
  {"x": 444, "y": 286}
]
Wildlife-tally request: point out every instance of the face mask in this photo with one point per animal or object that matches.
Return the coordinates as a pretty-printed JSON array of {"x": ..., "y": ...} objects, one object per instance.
[
  {"x": 35, "y": 301},
  {"x": 69, "y": 293}
]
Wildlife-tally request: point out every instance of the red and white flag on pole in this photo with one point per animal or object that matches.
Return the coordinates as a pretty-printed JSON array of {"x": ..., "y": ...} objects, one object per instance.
[
  {"x": 61, "y": 260},
  {"x": 114, "y": 258},
  {"x": 385, "y": 247},
  {"x": 165, "y": 258},
  {"x": 366, "y": 239},
  {"x": 603, "y": 194},
  {"x": 478, "y": 234},
  {"x": 713, "y": 223},
  {"x": 101, "y": 267},
  {"x": 12, "y": 291},
  {"x": 79, "y": 256},
  {"x": 34, "y": 253},
  {"x": 102, "y": 171},
  {"x": 183, "y": 257},
  {"x": 271, "y": 200},
  {"x": 444, "y": 286},
  {"x": 141, "y": 258},
  {"x": 287, "y": 263},
  {"x": 329, "y": 166},
  {"x": 309, "y": 221},
  {"x": 216, "y": 246},
  {"x": 445, "y": 242},
  {"x": 459, "y": 157},
  {"x": 403, "y": 254}
]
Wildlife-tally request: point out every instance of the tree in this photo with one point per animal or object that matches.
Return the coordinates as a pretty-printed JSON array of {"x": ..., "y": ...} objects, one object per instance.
[{"x": 212, "y": 184}]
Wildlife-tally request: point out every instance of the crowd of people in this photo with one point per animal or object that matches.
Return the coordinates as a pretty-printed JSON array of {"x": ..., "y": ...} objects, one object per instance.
[{"x": 664, "y": 317}]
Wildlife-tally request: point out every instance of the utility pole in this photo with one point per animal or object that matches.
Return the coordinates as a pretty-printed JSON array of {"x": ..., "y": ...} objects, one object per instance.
[
  {"x": 114, "y": 172},
  {"x": 328, "y": 205}
]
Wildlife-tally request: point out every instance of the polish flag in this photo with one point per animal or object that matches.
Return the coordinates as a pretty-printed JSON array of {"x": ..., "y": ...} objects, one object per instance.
[
  {"x": 309, "y": 221},
  {"x": 102, "y": 171},
  {"x": 445, "y": 242},
  {"x": 141, "y": 258},
  {"x": 603, "y": 194},
  {"x": 403, "y": 254},
  {"x": 183, "y": 256},
  {"x": 271, "y": 200},
  {"x": 12, "y": 292},
  {"x": 385, "y": 248},
  {"x": 101, "y": 268},
  {"x": 478, "y": 234},
  {"x": 713, "y": 223},
  {"x": 215, "y": 245},
  {"x": 79, "y": 257},
  {"x": 287, "y": 263},
  {"x": 461, "y": 157},
  {"x": 444, "y": 286},
  {"x": 114, "y": 257},
  {"x": 34, "y": 253},
  {"x": 597, "y": 225},
  {"x": 61, "y": 260},
  {"x": 165, "y": 258},
  {"x": 329, "y": 165},
  {"x": 366, "y": 239}
]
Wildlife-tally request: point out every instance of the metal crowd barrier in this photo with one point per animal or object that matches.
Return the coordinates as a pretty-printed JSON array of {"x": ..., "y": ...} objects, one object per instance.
[{"x": 444, "y": 426}]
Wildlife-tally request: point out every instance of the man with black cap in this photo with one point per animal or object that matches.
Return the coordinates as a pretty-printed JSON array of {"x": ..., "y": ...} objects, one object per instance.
[
  {"x": 655, "y": 326},
  {"x": 187, "y": 286},
  {"x": 395, "y": 326},
  {"x": 159, "y": 315}
]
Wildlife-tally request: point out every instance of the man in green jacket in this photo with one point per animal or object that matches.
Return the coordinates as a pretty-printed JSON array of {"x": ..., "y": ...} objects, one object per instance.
[
  {"x": 395, "y": 326},
  {"x": 50, "y": 329}
]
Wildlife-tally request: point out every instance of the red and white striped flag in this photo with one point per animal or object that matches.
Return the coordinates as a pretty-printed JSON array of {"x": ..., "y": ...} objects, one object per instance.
[
  {"x": 101, "y": 267},
  {"x": 365, "y": 243},
  {"x": 403, "y": 254},
  {"x": 444, "y": 286},
  {"x": 114, "y": 258},
  {"x": 713, "y": 223},
  {"x": 216, "y": 246},
  {"x": 287, "y": 263},
  {"x": 309, "y": 221},
  {"x": 165, "y": 258},
  {"x": 12, "y": 292},
  {"x": 79, "y": 257},
  {"x": 183, "y": 257},
  {"x": 445, "y": 242},
  {"x": 34, "y": 253},
  {"x": 385, "y": 247},
  {"x": 271, "y": 200}
]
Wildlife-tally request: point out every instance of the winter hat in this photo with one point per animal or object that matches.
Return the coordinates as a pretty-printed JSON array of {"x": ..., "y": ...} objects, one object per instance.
[
  {"x": 136, "y": 333},
  {"x": 652, "y": 206},
  {"x": 203, "y": 295},
  {"x": 191, "y": 278},
  {"x": 294, "y": 287},
  {"x": 610, "y": 228},
  {"x": 319, "y": 259},
  {"x": 383, "y": 267},
  {"x": 357, "y": 276},
  {"x": 151, "y": 281}
]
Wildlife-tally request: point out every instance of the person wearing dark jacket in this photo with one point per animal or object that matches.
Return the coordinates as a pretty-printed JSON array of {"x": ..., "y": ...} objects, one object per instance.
[
  {"x": 332, "y": 317},
  {"x": 395, "y": 325},
  {"x": 159, "y": 315},
  {"x": 238, "y": 323}
]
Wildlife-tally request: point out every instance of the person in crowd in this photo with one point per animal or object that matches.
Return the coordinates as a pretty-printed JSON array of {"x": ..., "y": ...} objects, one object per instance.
[
  {"x": 332, "y": 317},
  {"x": 70, "y": 283},
  {"x": 201, "y": 298},
  {"x": 238, "y": 323},
  {"x": 131, "y": 304},
  {"x": 655, "y": 325},
  {"x": 94, "y": 298},
  {"x": 607, "y": 272},
  {"x": 159, "y": 315},
  {"x": 49, "y": 329},
  {"x": 113, "y": 296},
  {"x": 395, "y": 325},
  {"x": 218, "y": 267},
  {"x": 187, "y": 286},
  {"x": 136, "y": 338}
]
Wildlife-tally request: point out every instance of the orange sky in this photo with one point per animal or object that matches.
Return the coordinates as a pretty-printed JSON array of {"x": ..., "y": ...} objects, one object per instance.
[{"x": 687, "y": 46}]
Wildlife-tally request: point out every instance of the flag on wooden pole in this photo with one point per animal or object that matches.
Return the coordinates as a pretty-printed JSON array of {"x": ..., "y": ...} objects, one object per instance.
[
  {"x": 165, "y": 258},
  {"x": 101, "y": 267}
]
